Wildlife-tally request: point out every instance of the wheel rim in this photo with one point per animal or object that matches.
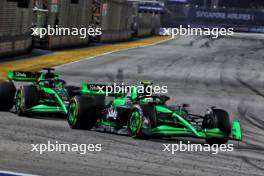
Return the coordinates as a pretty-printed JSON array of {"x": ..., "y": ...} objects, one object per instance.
[
  {"x": 19, "y": 102},
  {"x": 72, "y": 112},
  {"x": 134, "y": 122}
]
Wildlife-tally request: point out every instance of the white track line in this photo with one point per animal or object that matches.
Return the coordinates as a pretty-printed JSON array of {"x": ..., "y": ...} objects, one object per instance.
[
  {"x": 118, "y": 50},
  {"x": 14, "y": 173}
]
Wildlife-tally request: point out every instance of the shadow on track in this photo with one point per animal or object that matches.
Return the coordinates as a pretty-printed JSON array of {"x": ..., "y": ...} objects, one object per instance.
[{"x": 57, "y": 117}]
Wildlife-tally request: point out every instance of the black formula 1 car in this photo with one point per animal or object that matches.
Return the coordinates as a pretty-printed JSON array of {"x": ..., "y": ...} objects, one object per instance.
[
  {"x": 47, "y": 93},
  {"x": 145, "y": 116}
]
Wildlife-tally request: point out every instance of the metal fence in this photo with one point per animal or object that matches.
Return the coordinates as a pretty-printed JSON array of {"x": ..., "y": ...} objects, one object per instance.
[
  {"x": 119, "y": 20},
  {"x": 15, "y": 25},
  {"x": 116, "y": 20},
  {"x": 64, "y": 14}
]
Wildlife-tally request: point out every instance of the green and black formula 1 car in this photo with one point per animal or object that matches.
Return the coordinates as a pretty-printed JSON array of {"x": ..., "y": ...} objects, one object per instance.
[
  {"x": 145, "y": 116},
  {"x": 46, "y": 93}
]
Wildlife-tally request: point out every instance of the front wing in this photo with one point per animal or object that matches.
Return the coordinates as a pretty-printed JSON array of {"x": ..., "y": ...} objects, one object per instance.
[{"x": 164, "y": 130}]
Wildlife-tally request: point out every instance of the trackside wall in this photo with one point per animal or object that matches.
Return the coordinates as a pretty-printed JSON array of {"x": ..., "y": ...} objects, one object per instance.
[
  {"x": 116, "y": 20},
  {"x": 15, "y": 27}
]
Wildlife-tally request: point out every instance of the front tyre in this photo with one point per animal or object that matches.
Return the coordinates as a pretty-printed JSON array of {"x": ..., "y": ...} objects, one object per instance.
[
  {"x": 218, "y": 119},
  {"x": 82, "y": 112},
  {"x": 26, "y": 97},
  {"x": 141, "y": 120}
]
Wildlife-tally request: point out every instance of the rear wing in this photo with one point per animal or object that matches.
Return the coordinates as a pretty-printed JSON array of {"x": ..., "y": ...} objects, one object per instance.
[
  {"x": 23, "y": 76},
  {"x": 100, "y": 90}
]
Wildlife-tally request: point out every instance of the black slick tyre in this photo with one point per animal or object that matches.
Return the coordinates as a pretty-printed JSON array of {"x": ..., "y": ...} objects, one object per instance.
[
  {"x": 141, "y": 120},
  {"x": 82, "y": 112},
  {"x": 7, "y": 94},
  {"x": 221, "y": 120},
  {"x": 26, "y": 97}
]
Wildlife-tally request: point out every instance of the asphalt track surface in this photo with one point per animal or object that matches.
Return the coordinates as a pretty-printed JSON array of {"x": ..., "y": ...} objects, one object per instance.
[{"x": 227, "y": 73}]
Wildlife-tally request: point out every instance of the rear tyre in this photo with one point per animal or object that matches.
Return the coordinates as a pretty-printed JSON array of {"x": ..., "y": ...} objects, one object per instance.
[
  {"x": 219, "y": 119},
  {"x": 7, "y": 94},
  {"x": 83, "y": 112},
  {"x": 141, "y": 120},
  {"x": 26, "y": 97}
]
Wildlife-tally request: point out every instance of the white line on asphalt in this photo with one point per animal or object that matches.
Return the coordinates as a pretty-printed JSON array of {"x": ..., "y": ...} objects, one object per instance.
[{"x": 15, "y": 173}]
